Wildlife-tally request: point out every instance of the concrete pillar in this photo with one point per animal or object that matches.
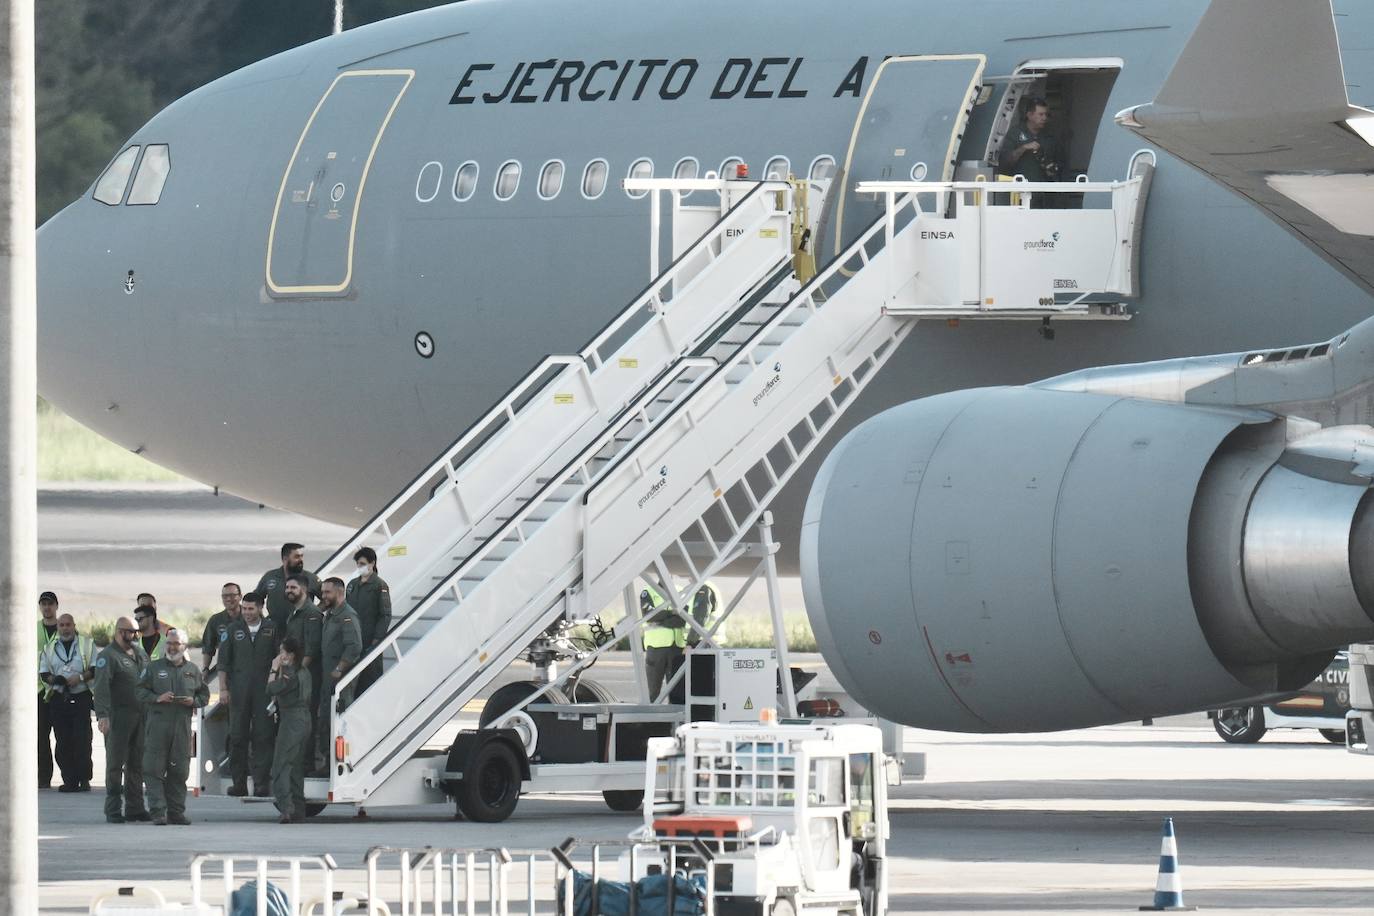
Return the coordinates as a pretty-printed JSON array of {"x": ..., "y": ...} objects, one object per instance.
[{"x": 18, "y": 467}]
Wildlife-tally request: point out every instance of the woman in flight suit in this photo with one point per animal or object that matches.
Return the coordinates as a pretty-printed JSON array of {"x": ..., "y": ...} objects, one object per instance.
[{"x": 288, "y": 684}]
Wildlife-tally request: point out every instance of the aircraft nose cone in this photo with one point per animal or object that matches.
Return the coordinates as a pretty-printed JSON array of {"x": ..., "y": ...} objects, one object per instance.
[{"x": 81, "y": 332}]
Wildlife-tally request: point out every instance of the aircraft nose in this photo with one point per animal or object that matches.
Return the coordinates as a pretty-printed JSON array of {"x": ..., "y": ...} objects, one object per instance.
[{"x": 82, "y": 329}]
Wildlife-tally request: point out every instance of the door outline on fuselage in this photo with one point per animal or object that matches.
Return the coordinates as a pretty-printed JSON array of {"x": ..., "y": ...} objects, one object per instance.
[
  {"x": 961, "y": 118},
  {"x": 273, "y": 287}
]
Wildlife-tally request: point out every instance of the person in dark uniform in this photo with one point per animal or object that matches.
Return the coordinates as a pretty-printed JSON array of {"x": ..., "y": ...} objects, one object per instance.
[
  {"x": 306, "y": 624},
  {"x": 47, "y": 632},
  {"x": 217, "y": 627},
  {"x": 288, "y": 683},
  {"x": 246, "y": 656},
  {"x": 273, "y": 582},
  {"x": 370, "y": 596},
  {"x": 340, "y": 647},
  {"x": 1031, "y": 152},
  {"x": 119, "y": 716},
  {"x": 171, "y": 689}
]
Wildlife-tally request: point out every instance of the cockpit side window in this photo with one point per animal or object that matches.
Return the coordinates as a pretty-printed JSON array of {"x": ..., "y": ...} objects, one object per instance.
[
  {"x": 152, "y": 175},
  {"x": 109, "y": 189}
]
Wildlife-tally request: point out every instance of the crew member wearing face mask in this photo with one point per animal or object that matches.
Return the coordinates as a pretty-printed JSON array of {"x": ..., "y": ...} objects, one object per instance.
[
  {"x": 273, "y": 582},
  {"x": 171, "y": 688},
  {"x": 119, "y": 716},
  {"x": 370, "y": 596}
]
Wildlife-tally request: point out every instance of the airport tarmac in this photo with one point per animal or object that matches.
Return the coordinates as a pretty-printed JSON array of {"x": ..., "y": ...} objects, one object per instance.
[{"x": 1066, "y": 822}]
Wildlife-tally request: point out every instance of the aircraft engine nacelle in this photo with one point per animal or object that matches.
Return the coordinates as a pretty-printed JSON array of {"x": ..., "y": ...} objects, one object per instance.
[{"x": 1022, "y": 559}]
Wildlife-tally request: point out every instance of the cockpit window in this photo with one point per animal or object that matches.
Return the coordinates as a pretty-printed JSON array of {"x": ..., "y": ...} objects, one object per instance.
[
  {"x": 110, "y": 188},
  {"x": 152, "y": 175}
]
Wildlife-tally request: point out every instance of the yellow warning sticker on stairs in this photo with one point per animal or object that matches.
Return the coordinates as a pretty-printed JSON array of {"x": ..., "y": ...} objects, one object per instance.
[{"x": 748, "y": 702}]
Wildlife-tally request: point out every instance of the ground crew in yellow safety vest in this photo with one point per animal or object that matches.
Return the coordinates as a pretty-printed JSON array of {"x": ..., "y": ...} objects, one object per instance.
[
  {"x": 664, "y": 639},
  {"x": 47, "y": 632}
]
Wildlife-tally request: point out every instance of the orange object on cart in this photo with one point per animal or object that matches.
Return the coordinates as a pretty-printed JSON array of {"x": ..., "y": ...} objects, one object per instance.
[{"x": 718, "y": 826}]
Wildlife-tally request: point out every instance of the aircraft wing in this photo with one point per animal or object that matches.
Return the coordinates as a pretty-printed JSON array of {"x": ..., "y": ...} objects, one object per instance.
[{"x": 1257, "y": 100}]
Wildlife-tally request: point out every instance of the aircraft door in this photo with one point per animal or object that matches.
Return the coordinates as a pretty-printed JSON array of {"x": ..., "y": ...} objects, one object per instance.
[
  {"x": 913, "y": 115},
  {"x": 310, "y": 245}
]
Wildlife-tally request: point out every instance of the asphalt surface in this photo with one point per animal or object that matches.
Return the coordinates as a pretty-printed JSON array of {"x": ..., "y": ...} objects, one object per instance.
[{"x": 1067, "y": 822}]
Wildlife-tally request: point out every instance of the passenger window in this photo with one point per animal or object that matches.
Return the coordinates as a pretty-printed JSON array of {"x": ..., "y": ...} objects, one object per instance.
[
  {"x": 551, "y": 179},
  {"x": 727, "y": 168},
  {"x": 686, "y": 169},
  {"x": 507, "y": 180},
  {"x": 822, "y": 168},
  {"x": 152, "y": 175},
  {"x": 640, "y": 168},
  {"x": 594, "y": 178},
  {"x": 428, "y": 181},
  {"x": 777, "y": 169},
  {"x": 465, "y": 181},
  {"x": 110, "y": 188}
]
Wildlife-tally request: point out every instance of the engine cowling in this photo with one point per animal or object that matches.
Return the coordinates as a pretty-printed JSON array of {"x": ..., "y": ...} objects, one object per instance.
[{"x": 1022, "y": 559}]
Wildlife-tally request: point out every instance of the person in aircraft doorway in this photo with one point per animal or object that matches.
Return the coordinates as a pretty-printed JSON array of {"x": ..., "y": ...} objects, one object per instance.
[{"x": 1032, "y": 152}]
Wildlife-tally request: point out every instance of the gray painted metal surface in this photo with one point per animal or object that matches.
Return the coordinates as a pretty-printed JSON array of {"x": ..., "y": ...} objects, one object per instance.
[{"x": 202, "y": 368}]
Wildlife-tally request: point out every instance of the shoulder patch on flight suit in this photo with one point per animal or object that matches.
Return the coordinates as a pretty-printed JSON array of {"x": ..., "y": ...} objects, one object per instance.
[{"x": 100, "y": 662}]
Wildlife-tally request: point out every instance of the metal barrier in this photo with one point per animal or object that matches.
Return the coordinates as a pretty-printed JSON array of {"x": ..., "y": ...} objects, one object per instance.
[
  {"x": 263, "y": 869},
  {"x": 449, "y": 882}
]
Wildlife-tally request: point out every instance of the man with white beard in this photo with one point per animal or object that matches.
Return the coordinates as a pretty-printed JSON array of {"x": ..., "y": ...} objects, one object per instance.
[{"x": 170, "y": 689}]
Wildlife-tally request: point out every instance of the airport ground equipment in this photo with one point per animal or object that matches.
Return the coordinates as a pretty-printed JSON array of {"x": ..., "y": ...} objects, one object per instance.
[
  {"x": 651, "y": 456},
  {"x": 1359, "y": 721}
]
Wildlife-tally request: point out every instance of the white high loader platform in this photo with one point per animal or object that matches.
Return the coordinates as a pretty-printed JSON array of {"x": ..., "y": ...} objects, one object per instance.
[{"x": 656, "y": 451}]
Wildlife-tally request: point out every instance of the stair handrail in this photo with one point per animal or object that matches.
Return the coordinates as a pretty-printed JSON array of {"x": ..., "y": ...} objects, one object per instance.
[
  {"x": 832, "y": 269},
  {"x": 479, "y": 555},
  {"x": 584, "y": 360}
]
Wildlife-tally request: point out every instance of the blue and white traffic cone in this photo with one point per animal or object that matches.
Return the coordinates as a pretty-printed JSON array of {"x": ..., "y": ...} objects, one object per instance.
[{"x": 1169, "y": 885}]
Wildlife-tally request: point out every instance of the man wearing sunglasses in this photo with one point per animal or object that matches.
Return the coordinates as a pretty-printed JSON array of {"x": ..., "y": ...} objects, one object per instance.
[{"x": 119, "y": 716}]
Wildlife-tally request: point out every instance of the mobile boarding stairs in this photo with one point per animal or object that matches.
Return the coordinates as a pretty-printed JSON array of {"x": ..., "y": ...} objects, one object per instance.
[{"x": 657, "y": 450}]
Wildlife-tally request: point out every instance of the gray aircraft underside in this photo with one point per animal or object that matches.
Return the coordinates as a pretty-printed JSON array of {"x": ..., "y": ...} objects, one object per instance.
[{"x": 160, "y": 328}]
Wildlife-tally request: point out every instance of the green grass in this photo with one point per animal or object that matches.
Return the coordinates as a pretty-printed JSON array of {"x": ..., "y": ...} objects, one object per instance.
[
  {"x": 757, "y": 633},
  {"x": 68, "y": 452}
]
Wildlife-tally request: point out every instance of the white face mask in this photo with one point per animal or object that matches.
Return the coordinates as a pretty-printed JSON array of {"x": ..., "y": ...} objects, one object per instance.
[{"x": 365, "y": 569}]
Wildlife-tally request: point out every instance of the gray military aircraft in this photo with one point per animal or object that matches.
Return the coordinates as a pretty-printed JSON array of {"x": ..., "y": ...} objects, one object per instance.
[{"x": 303, "y": 280}]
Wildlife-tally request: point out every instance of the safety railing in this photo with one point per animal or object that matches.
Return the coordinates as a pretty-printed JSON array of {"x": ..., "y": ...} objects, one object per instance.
[
  {"x": 450, "y": 586},
  {"x": 431, "y": 880},
  {"x": 483, "y": 440},
  {"x": 262, "y": 870}
]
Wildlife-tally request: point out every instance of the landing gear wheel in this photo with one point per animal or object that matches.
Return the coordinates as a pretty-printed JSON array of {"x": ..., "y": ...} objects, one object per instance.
[
  {"x": 623, "y": 799},
  {"x": 511, "y": 695},
  {"x": 490, "y": 787},
  {"x": 783, "y": 907},
  {"x": 1240, "y": 724},
  {"x": 1334, "y": 735},
  {"x": 312, "y": 809},
  {"x": 587, "y": 690}
]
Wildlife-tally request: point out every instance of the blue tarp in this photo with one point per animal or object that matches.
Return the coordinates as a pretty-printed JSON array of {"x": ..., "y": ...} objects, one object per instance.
[{"x": 651, "y": 896}]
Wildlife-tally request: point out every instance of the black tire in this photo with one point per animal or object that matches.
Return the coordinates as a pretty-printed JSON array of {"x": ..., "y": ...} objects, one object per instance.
[
  {"x": 587, "y": 690},
  {"x": 624, "y": 800},
  {"x": 507, "y": 697},
  {"x": 490, "y": 787},
  {"x": 314, "y": 808},
  {"x": 1334, "y": 735},
  {"x": 1240, "y": 724}
]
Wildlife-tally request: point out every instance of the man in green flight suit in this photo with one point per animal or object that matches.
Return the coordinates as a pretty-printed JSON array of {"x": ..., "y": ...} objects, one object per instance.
[
  {"x": 119, "y": 716},
  {"x": 341, "y": 645},
  {"x": 217, "y": 627},
  {"x": 288, "y": 683},
  {"x": 171, "y": 688},
  {"x": 304, "y": 622},
  {"x": 245, "y": 656},
  {"x": 273, "y": 582},
  {"x": 370, "y": 596}
]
